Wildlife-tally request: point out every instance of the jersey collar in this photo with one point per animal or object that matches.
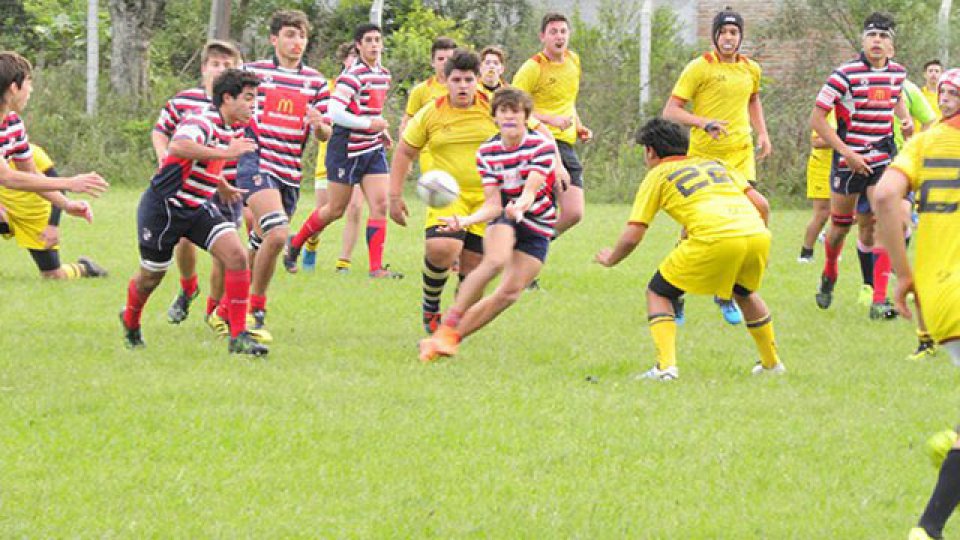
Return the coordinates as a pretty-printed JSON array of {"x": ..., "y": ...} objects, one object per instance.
[
  {"x": 276, "y": 64},
  {"x": 866, "y": 62},
  {"x": 714, "y": 58}
]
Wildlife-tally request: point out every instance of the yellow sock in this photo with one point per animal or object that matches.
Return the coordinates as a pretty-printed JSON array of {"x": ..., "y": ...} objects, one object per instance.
[
  {"x": 762, "y": 332},
  {"x": 663, "y": 328},
  {"x": 73, "y": 270},
  {"x": 312, "y": 243},
  {"x": 343, "y": 263}
]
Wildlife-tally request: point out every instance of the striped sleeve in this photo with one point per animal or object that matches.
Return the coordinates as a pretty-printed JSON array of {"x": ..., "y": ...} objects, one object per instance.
[
  {"x": 487, "y": 175},
  {"x": 321, "y": 101},
  {"x": 543, "y": 158},
  {"x": 348, "y": 85},
  {"x": 195, "y": 128},
  {"x": 21, "y": 147},
  {"x": 833, "y": 91},
  {"x": 168, "y": 120}
]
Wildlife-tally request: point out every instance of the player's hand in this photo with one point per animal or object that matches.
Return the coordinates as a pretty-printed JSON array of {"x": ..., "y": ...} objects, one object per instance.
[
  {"x": 716, "y": 128},
  {"x": 228, "y": 193},
  {"x": 398, "y": 211},
  {"x": 451, "y": 224},
  {"x": 858, "y": 164},
  {"x": 563, "y": 177},
  {"x": 379, "y": 124},
  {"x": 90, "y": 183},
  {"x": 50, "y": 235},
  {"x": 904, "y": 287},
  {"x": 907, "y": 128},
  {"x": 764, "y": 148},
  {"x": 80, "y": 209},
  {"x": 387, "y": 139},
  {"x": 585, "y": 134},
  {"x": 239, "y": 147},
  {"x": 604, "y": 257},
  {"x": 561, "y": 122}
]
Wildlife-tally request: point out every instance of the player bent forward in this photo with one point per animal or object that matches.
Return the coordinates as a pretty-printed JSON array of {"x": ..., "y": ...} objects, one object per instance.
[
  {"x": 726, "y": 251},
  {"x": 517, "y": 166},
  {"x": 178, "y": 205}
]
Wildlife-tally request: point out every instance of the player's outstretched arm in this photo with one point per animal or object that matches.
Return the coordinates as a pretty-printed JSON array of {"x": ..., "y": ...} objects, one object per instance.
[
  {"x": 521, "y": 204},
  {"x": 759, "y": 124},
  {"x": 674, "y": 111},
  {"x": 888, "y": 204},
  {"x": 818, "y": 122},
  {"x": 400, "y": 165},
  {"x": 188, "y": 148},
  {"x": 492, "y": 207},
  {"x": 630, "y": 238},
  {"x": 160, "y": 142},
  {"x": 90, "y": 183}
]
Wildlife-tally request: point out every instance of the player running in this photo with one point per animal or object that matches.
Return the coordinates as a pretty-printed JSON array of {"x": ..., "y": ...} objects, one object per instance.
[
  {"x": 727, "y": 248},
  {"x": 724, "y": 87},
  {"x": 215, "y": 58},
  {"x": 178, "y": 204},
  {"x": 517, "y": 170},
  {"x": 818, "y": 190},
  {"x": 929, "y": 165}
]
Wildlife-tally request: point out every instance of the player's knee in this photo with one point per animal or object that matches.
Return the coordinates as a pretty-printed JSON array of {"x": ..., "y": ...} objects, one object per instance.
[
  {"x": 572, "y": 216},
  {"x": 354, "y": 209},
  {"x": 507, "y": 295},
  {"x": 378, "y": 209},
  {"x": 233, "y": 258},
  {"x": 149, "y": 281},
  {"x": 841, "y": 222},
  {"x": 273, "y": 225}
]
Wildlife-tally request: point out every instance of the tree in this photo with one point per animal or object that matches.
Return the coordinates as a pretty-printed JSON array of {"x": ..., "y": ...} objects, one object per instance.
[{"x": 134, "y": 22}]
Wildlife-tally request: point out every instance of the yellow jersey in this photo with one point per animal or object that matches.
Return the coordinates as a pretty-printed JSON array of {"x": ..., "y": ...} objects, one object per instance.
[
  {"x": 721, "y": 91},
  {"x": 453, "y": 136},
  {"x": 933, "y": 100},
  {"x": 821, "y": 159},
  {"x": 554, "y": 87},
  {"x": 488, "y": 92},
  {"x": 700, "y": 194},
  {"x": 423, "y": 93},
  {"x": 26, "y": 205}
]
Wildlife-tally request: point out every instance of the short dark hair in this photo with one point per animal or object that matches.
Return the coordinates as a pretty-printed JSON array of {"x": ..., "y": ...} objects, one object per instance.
[
  {"x": 232, "y": 82},
  {"x": 13, "y": 69},
  {"x": 494, "y": 50},
  {"x": 553, "y": 16},
  {"x": 222, "y": 48},
  {"x": 933, "y": 62},
  {"x": 345, "y": 50},
  {"x": 512, "y": 98},
  {"x": 879, "y": 21},
  {"x": 463, "y": 60},
  {"x": 442, "y": 44},
  {"x": 665, "y": 137},
  {"x": 365, "y": 29},
  {"x": 289, "y": 17}
]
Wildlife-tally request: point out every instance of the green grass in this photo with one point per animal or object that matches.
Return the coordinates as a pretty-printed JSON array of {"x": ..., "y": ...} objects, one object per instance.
[{"x": 342, "y": 433}]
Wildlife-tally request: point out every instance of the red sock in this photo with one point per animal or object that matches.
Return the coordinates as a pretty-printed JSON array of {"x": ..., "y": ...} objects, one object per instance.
[
  {"x": 134, "y": 307},
  {"x": 189, "y": 285},
  {"x": 258, "y": 302},
  {"x": 881, "y": 274},
  {"x": 211, "y": 304},
  {"x": 236, "y": 286},
  {"x": 376, "y": 237},
  {"x": 452, "y": 318},
  {"x": 313, "y": 225},
  {"x": 833, "y": 255},
  {"x": 223, "y": 308}
]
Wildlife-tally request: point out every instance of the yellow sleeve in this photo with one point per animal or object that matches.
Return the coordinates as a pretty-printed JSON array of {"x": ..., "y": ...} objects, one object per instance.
[
  {"x": 689, "y": 81},
  {"x": 416, "y": 102},
  {"x": 415, "y": 133},
  {"x": 756, "y": 72},
  {"x": 910, "y": 159},
  {"x": 647, "y": 203},
  {"x": 527, "y": 76}
]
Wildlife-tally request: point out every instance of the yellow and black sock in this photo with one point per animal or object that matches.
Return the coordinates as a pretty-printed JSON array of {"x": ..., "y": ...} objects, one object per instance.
[
  {"x": 312, "y": 243},
  {"x": 762, "y": 332},
  {"x": 73, "y": 270},
  {"x": 343, "y": 264},
  {"x": 434, "y": 280},
  {"x": 663, "y": 328}
]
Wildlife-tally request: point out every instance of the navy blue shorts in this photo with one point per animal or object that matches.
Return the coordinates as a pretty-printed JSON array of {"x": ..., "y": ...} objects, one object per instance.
[
  {"x": 231, "y": 212},
  {"x": 252, "y": 179},
  {"x": 162, "y": 223},
  {"x": 526, "y": 241},
  {"x": 350, "y": 171},
  {"x": 572, "y": 163}
]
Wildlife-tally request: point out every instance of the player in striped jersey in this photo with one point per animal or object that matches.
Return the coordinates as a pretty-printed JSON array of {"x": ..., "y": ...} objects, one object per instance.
[
  {"x": 291, "y": 101},
  {"x": 178, "y": 204},
  {"x": 866, "y": 94},
  {"x": 517, "y": 167},
  {"x": 16, "y": 84},
  {"x": 215, "y": 58},
  {"x": 355, "y": 153}
]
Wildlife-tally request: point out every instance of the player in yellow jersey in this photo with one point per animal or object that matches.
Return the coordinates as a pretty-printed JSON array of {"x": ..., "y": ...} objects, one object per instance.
[
  {"x": 724, "y": 89},
  {"x": 34, "y": 223},
  {"x": 727, "y": 248},
  {"x": 818, "y": 191},
  {"x": 493, "y": 62},
  {"x": 929, "y": 165},
  {"x": 931, "y": 76},
  {"x": 347, "y": 55},
  {"x": 552, "y": 78},
  {"x": 429, "y": 90}
]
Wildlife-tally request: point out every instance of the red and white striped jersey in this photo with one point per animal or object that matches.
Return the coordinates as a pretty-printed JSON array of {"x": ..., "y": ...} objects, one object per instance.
[
  {"x": 178, "y": 107},
  {"x": 283, "y": 97},
  {"x": 508, "y": 169},
  {"x": 13, "y": 139},
  {"x": 191, "y": 183},
  {"x": 363, "y": 90},
  {"x": 864, "y": 98}
]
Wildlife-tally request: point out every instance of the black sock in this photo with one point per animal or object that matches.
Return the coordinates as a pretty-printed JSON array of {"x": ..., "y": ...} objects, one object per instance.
[
  {"x": 4, "y": 227},
  {"x": 866, "y": 265},
  {"x": 946, "y": 496},
  {"x": 806, "y": 253}
]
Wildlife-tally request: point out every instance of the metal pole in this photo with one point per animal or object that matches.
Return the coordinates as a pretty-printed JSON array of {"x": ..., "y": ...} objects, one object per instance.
[
  {"x": 943, "y": 27},
  {"x": 646, "y": 11},
  {"x": 93, "y": 55},
  {"x": 219, "y": 20},
  {"x": 376, "y": 13}
]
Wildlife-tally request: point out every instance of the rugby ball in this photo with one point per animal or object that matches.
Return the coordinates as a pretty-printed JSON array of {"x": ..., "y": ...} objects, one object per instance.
[{"x": 438, "y": 189}]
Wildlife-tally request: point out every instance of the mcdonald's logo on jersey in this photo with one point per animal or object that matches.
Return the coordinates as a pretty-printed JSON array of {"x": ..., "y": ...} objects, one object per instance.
[
  {"x": 285, "y": 106},
  {"x": 882, "y": 94}
]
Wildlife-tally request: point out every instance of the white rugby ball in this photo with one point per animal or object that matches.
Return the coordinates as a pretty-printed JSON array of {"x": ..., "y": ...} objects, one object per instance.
[{"x": 438, "y": 189}]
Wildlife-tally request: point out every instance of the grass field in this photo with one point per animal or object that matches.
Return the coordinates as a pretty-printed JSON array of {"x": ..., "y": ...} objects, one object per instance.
[{"x": 342, "y": 433}]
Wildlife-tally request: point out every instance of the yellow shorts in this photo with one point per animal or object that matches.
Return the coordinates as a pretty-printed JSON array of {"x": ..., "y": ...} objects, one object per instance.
[
  {"x": 28, "y": 215},
  {"x": 714, "y": 265},
  {"x": 818, "y": 181},
  {"x": 738, "y": 159},
  {"x": 940, "y": 303},
  {"x": 467, "y": 203}
]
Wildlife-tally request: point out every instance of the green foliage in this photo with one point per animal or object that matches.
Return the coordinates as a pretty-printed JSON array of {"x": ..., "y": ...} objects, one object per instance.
[{"x": 409, "y": 45}]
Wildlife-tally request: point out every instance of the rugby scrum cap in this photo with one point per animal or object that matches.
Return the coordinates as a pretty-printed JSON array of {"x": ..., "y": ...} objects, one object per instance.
[{"x": 727, "y": 16}]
